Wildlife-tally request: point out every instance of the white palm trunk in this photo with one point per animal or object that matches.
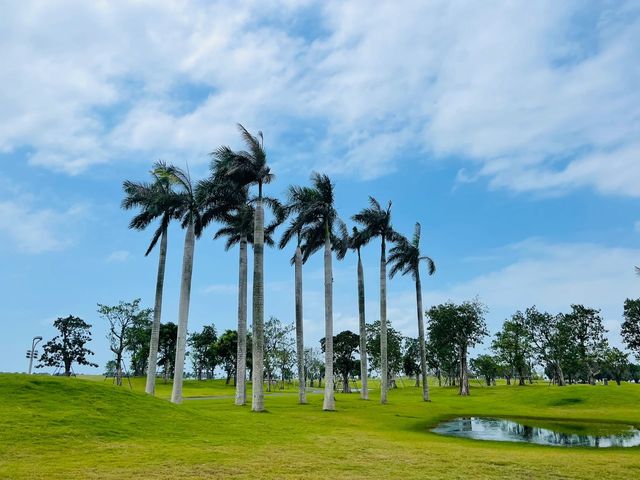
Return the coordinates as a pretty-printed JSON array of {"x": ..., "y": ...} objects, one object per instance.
[
  {"x": 329, "y": 401},
  {"x": 257, "y": 404},
  {"x": 183, "y": 312},
  {"x": 157, "y": 313},
  {"x": 384, "y": 366},
  {"x": 302, "y": 396},
  {"x": 364, "y": 393},
  {"x": 241, "y": 366},
  {"x": 421, "y": 342}
]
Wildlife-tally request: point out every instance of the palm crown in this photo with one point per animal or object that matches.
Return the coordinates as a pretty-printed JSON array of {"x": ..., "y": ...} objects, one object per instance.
[
  {"x": 376, "y": 222},
  {"x": 404, "y": 256},
  {"x": 246, "y": 167},
  {"x": 187, "y": 204},
  {"x": 155, "y": 200}
]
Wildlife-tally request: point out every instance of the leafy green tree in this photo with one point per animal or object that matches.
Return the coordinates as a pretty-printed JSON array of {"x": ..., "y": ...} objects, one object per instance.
[
  {"x": 631, "y": 325},
  {"x": 462, "y": 326},
  {"x": 155, "y": 201},
  {"x": 227, "y": 351},
  {"x": 394, "y": 350},
  {"x": 443, "y": 358},
  {"x": 345, "y": 346},
  {"x": 278, "y": 347},
  {"x": 487, "y": 366},
  {"x": 121, "y": 318},
  {"x": 167, "y": 349},
  {"x": 376, "y": 222},
  {"x": 513, "y": 346},
  {"x": 589, "y": 342},
  {"x": 615, "y": 364},
  {"x": 405, "y": 257},
  {"x": 313, "y": 365},
  {"x": 549, "y": 336},
  {"x": 68, "y": 347},
  {"x": 137, "y": 340},
  {"x": 634, "y": 372},
  {"x": 248, "y": 168},
  {"x": 411, "y": 359},
  {"x": 204, "y": 355}
]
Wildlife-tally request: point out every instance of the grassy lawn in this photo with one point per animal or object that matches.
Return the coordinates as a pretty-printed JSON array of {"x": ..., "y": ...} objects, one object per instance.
[{"x": 88, "y": 428}]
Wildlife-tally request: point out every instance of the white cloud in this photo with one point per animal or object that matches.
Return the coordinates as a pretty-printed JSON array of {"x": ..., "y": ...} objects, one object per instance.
[
  {"x": 118, "y": 256},
  {"x": 541, "y": 96},
  {"x": 36, "y": 230}
]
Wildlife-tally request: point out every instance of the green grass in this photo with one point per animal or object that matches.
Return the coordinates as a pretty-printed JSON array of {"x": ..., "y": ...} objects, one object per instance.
[{"x": 76, "y": 428}]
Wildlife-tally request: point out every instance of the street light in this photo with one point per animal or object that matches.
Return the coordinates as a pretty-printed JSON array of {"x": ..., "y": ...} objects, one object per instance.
[{"x": 32, "y": 353}]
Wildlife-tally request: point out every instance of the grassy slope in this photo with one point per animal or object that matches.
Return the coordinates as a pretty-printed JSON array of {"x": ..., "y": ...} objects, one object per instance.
[{"x": 73, "y": 428}]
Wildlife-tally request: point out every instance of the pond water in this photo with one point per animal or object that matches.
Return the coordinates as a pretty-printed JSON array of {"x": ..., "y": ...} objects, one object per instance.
[{"x": 567, "y": 434}]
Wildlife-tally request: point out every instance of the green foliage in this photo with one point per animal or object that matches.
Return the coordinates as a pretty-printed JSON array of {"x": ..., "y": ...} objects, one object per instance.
[
  {"x": 587, "y": 344},
  {"x": 345, "y": 346},
  {"x": 615, "y": 364},
  {"x": 631, "y": 326},
  {"x": 279, "y": 350},
  {"x": 204, "y": 355},
  {"x": 411, "y": 357},
  {"x": 68, "y": 347},
  {"x": 167, "y": 348},
  {"x": 512, "y": 346},
  {"x": 486, "y": 366},
  {"x": 394, "y": 348},
  {"x": 227, "y": 351}
]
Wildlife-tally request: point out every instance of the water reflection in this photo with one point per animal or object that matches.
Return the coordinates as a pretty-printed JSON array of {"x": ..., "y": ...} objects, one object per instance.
[{"x": 503, "y": 430}]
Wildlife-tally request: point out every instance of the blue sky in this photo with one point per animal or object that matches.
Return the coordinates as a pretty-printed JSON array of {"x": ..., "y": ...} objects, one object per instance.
[{"x": 510, "y": 131}]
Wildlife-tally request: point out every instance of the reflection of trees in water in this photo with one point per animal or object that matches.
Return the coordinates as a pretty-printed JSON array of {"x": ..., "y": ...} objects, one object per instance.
[{"x": 508, "y": 430}]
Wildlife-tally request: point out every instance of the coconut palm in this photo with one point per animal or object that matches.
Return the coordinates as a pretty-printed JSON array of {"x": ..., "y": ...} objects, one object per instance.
[
  {"x": 376, "y": 222},
  {"x": 248, "y": 168},
  {"x": 238, "y": 228},
  {"x": 191, "y": 221},
  {"x": 405, "y": 258},
  {"x": 314, "y": 222},
  {"x": 155, "y": 200},
  {"x": 354, "y": 242}
]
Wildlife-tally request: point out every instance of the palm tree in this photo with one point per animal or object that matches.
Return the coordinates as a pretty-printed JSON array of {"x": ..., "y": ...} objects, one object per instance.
[
  {"x": 314, "y": 223},
  {"x": 248, "y": 168},
  {"x": 189, "y": 213},
  {"x": 298, "y": 202},
  {"x": 376, "y": 222},
  {"x": 239, "y": 230},
  {"x": 354, "y": 242},
  {"x": 405, "y": 258},
  {"x": 155, "y": 200}
]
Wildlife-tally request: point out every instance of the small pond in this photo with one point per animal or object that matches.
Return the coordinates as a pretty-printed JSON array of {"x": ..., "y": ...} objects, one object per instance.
[{"x": 541, "y": 432}]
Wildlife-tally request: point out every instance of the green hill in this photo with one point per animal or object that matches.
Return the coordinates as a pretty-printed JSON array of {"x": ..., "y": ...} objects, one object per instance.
[{"x": 53, "y": 427}]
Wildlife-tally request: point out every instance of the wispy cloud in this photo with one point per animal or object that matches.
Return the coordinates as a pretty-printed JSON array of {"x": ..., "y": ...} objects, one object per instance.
[{"x": 545, "y": 99}]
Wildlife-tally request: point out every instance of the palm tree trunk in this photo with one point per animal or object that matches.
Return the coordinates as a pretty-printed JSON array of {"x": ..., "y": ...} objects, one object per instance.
[
  {"x": 183, "y": 312},
  {"x": 157, "y": 313},
  {"x": 364, "y": 393},
  {"x": 329, "y": 401},
  {"x": 421, "y": 345},
  {"x": 384, "y": 366},
  {"x": 257, "y": 404},
  {"x": 299, "y": 326},
  {"x": 241, "y": 366}
]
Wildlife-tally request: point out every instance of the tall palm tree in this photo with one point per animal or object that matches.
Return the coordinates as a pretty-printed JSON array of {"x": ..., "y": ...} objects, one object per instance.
[
  {"x": 376, "y": 222},
  {"x": 405, "y": 258},
  {"x": 155, "y": 200},
  {"x": 298, "y": 202},
  {"x": 238, "y": 228},
  {"x": 189, "y": 213},
  {"x": 354, "y": 242},
  {"x": 248, "y": 168},
  {"x": 315, "y": 220}
]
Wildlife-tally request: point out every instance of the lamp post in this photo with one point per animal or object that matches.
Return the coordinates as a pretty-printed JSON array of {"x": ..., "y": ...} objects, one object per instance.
[{"x": 32, "y": 353}]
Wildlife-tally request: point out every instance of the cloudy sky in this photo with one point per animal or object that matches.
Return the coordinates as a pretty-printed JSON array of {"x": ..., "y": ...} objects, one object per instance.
[{"x": 510, "y": 130}]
